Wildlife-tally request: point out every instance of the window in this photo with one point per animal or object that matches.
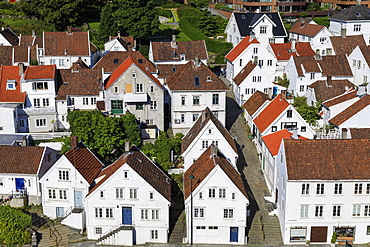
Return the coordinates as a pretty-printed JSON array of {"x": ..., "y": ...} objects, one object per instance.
[
  {"x": 256, "y": 79},
  {"x": 45, "y": 102},
  {"x": 266, "y": 90},
  {"x": 255, "y": 50},
  {"x": 152, "y": 89},
  {"x": 253, "y": 90},
  {"x": 357, "y": 28},
  {"x": 64, "y": 175},
  {"x": 200, "y": 195},
  {"x": 119, "y": 193},
  {"x": 93, "y": 101},
  {"x": 155, "y": 214},
  {"x": 153, "y": 234},
  {"x": 52, "y": 61},
  {"x": 240, "y": 62},
  {"x": 364, "y": 79},
  {"x": 195, "y": 117},
  {"x": 358, "y": 189},
  {"x": 133, "y": 193},
  {"x": 368, "y": 230},
  {"x": 39, "y": 86},
  {"x": 98, "y": 212},
  {"x": 338, "y": 189},
  {"x": 305, "y": 189},
  {"x": 116, "y": 48},
  {"x": 319, "y": 211},
  {"x": 102, "y": 194},
  {"x": 196, "y": 81},
  {"x": 85, "y": 101},
  {"x": 215, "y": 113},
  {"x": 319, "y": 189},
  {"x": 198, "y": 212},
  {"x": 116, "y": 89},
  {"x": 98, "y": 230},
  {"x": 336, "y": 210},
  {"x": 215, "y": 143},
  {"x": 312, "y": 76},
  {"x": 196, "y": 100},
  {"x": 367, "y": 188},
  {"x": 233, "y": 196},
  {"x": 303, "y": 129},
  {"x": 301, "y": 88},
  {"x": 139, "y": 106},
  {"x": 10, "y": 85},
  {"x": 247, "y": 91},
  {"x": 115, "y": 61},
  {"x": 133, "y": 75},
  {"x": 366, "y": 210},
  {"x": 40, "y": 122},
  {"x": 139, "y": 88},
  {"x": 52, "y": 194},
  {"x": 1, "y": 181},
  {"x": 271, "y": 40},
  {"x": 289, "y": 113},
  {"x": 153, "y": 105},
  {"x": 215, "y": 99},
  {"x": 359, "y": 64},
  {"x": 182, "y": 118},
  {"x": 144, "y": 214},
  {"x": 356, "y": 209},
  {"x": 63, "y": 194},
  {"x": 151, "y": 195},
  {"x": 204, "y": 144},
  {"x": 222, "y": 193},
  {"x": 260, "y": 63},
  {"x": 109, "y": 213},
  {"x": 263, "y": 29},
  {"x": 289, "y": 125},
  {"x": 36, "y": 102},
  {"x": 125, "y": 174},
  {"x": 183, "y": 100},
  {"x": 304, "y": 211},
  {"x": 322, "y": 40},
  {"x": 61, "y": 62},
  {"x": 211, "y": 192},
  {"x": 273, "y": 128},
  {"x": 21, "y": 123},
  {"x": 228, "y": 213},
  {"x": 269, "y": 62}
]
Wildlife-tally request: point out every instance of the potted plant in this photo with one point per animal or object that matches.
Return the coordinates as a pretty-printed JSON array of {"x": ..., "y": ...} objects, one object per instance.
[
  {"x": 333, "y": 239},
  {"x": 308, "y": 243}
]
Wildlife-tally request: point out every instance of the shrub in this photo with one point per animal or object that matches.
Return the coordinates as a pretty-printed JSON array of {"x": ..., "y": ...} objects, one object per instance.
[
  {"x": 164, "y": 12},
  {"x": 13, "y": 224}
]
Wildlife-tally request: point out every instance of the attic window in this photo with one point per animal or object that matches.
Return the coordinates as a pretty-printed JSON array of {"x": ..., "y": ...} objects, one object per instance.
[
  {"x": 10, "y": 85},
  {"x": 173, "y": 69},
  {"x": 140, "y": 60},
  {"x": 358, "y": 15},
  {"x": 209, "y": 78},
  {"x": 115, "y": 61},
  {"x": 133, "y": 75},
  {"x": 175, "y": 55},
  {"x": 243, "y": 17},
  {"x": 196, "y": 81}
]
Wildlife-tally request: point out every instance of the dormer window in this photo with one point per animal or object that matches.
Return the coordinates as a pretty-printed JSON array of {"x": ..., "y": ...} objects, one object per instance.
[
  {"x": 115, "y": 61},
  {"x": 182, "y": 56},
  {"x": 140, "y": 60},
  {"x": 196, "y": 81},
  {"x": 209, "y": 78},
  {"x": 173, "y": 69},
  {"x": 175, "y": 56},
  {"x": 10, "y": 85}
]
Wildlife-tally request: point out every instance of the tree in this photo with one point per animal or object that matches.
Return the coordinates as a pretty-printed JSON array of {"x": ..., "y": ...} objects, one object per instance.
[
  {"x": 108, "y": 26},
  {"x": 199, "y": 4},
  {"x": 324, "y": 21},
  {"x": 308, "y": 113},
  {"x": 136, "y": 18},
  {"x": 60, "y": 13},
  {"x": 312, "y": 6}
]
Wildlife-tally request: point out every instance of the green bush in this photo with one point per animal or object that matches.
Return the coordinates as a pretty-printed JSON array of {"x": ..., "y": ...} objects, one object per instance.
[
  {"x": 13, "y": 224},
  {"x": 165, "y": 12},
  {"x": 172, "y": 5}
]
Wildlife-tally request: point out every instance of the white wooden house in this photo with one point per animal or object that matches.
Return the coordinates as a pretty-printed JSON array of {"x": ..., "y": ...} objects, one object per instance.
[
  {"x": 254, "y": 105},
  {"x": 216, "y": 201},
  {"x": 66, "y": 184},
  {"x": 129, "y": 203},
  {"x": 21, "y": 168},
  {"x": 359, "y": 62},
  {"x": 205, "y": 131},
  {"x": 8, "y": 37},
  {"x": 323, "y": 186},
  {"x": 119, "y": 44}
]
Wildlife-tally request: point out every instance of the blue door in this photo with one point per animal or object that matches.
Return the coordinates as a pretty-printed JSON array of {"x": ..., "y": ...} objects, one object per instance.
[
  {"x": 234, "y": 234},
  {"x": 78, "y": 198},
  {"x": 126, "y": 216},
  {"x": 19, "y": 184}
]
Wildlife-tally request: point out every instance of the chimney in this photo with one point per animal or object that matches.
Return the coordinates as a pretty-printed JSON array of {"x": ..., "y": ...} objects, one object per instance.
[
  {"x": 345, "y": 133},
  {"x": 73, "y": 142},
  {"x": 295, "y": 133},
  {"x": 213, "y": 150},
  {"x": 328, "y": 81},
  {"x": 204, "y": 116},
  {"x": 196, "y": 59},
  {"x": 252, "y": 36},
  {"x": 173, "y": 42},
  {"x": 317, "y": 55},
  {"x": 69, "y": 30},
  {"x": 255, "y": 60},
  {"x": 21, "y": 68},
  {"x": 302, "y": 22},
  {"x": 293, "y": 42},
  {"x": 358, "y": 2},
  {"x": 270, "y": 92},
  {"x": 283, "y": 95},
  {"x": 119, "y": 34},
  {"x": 343, "y": 32},
  {"x": 361, "y": 90},
  {"x": 127, "y": 146},
  {"x": 24, "y": 141},
  {"x": 33, "y": 33}
]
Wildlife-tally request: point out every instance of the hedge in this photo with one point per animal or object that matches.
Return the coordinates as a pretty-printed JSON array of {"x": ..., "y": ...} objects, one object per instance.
[
  {"x": 165, "y": 12},
  {"x": 13, "y": 224}
]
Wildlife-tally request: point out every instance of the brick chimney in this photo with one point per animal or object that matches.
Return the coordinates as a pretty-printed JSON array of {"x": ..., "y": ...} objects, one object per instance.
[
  {"x": 69, "y": 30},
  {"x": 73, "y": 142},
  {"x": 21, "y": 68},
  {"x": 213, "y": 150},
  {"x": 127, "y": 146},
  {"x": 283, "y": 95}
]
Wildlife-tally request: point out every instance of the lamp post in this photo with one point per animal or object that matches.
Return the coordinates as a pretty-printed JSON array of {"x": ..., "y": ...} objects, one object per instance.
[
  {"x": 191, "y": 209},
  {"x": 241, "y": 99}
]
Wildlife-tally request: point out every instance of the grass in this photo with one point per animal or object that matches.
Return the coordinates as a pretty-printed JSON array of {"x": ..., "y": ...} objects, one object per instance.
[
  {"x": 94, "y": 25},
  {"x": 25, "y": 27}
]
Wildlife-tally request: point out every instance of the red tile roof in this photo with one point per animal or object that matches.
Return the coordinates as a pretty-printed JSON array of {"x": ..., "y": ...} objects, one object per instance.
[
  {"x": 240, "y": 47},
  {"x": 273, "y": 140},
  {"x": 124, "y": 66},
  {"x": 283, "y": 51},
  {"x": 184, "y": 78},
  {"x": 197, "y": 127},
  {"x": 86, "y": 163},
  {"x": 20, "y": 159},
  {"x": 332, "y": 159},
  {"x": 306, "y": 29},
  {"x": 204, "y": 165},
  {"x": 255, "y": 102},
  {"x": 351, "y": 111},
  {"x": 164, "y": 51},
  {"x": 248, "y": 68},
  {"x": 66, "y": 44},
  {"x": 40, "y": 72},
  {"x": 11, "y": 96},
  {"x": 144, "y": 167},
  {"x": 270, "y": 113}
]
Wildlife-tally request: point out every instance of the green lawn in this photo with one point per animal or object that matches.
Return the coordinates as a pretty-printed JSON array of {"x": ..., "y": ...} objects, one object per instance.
[{"x": 25, "y": 27}]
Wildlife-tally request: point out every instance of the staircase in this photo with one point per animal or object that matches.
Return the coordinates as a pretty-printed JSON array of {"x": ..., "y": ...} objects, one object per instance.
[
  {"x": 69, "y": 211},
  {"x": 179, "y": 229},
  {"x": 265, "y": 230},
  {"x": 106, "y": 237}
]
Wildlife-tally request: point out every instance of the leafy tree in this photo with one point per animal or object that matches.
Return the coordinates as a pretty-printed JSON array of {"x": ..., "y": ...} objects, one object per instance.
[
  {"x": 60, "y": 13},
  {"x": 283, "y": 81},
  {"x": 108, "y": 26},
  {"x": 137, "y": 18},
  {"x": 129, "y": 123},
  {"x": 207, "y": 25},
  {"x": 199, "y": 3},
  {"x": 308, "y": 113},
  {"x": 324, "y": 21},
  {"x": 312, "y": 6}
]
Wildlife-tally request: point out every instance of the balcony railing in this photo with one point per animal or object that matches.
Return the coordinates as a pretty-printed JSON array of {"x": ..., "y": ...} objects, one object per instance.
[{"x": 37, "y": 111}]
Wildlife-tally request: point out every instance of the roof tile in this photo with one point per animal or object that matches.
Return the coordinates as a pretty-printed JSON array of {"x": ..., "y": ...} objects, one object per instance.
[
  {"x": 255, "y": 102},
  {"x": 20, "y": 159}
]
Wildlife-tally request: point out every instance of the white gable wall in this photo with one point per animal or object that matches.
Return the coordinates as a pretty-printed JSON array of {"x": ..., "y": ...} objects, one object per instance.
[
  {"x": 359, "y": 67},
  {"x": 8, "y": 119},
  {"x": 359, "y": 120}
]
